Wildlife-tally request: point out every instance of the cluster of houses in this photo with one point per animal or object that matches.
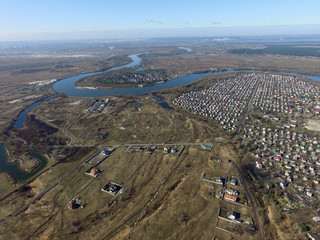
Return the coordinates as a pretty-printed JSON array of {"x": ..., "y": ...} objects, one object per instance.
[
  {"x": 175, "y": 150},
  {"x": 146, "y": 150},
  {"x": 228, "y": 99},
  {"x": 225, "y": 101},
  {"x": 139, "y": 77},
  {"x": 285, "y": 94},
  {"x": 98, "y": 106},
  {"x": 227, "y": 193},
  {"x": 286, "y": 159},
  {"x": 293, "y": 156}
]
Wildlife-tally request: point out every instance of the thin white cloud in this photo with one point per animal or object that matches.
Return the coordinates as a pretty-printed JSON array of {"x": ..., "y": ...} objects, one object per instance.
[
  {"x": 215, "y": 22},
  {"x": 47, "y": 26}
]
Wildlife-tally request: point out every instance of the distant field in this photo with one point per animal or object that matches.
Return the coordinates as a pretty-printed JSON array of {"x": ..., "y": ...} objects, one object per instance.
[{"x": 288, "y": 50}]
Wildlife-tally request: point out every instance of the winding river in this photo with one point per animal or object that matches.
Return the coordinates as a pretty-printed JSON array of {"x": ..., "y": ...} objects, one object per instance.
[{"x": 67, "y": 86}]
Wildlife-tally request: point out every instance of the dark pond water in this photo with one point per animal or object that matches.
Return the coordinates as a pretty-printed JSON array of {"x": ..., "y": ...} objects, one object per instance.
[
  {"x": 165, "y": 105},
  {"x": 13, "y": 168},
  {"x": 157, "y": 97}
]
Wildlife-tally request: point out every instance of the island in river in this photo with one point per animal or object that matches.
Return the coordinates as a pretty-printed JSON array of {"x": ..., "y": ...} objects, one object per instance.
[{"x": 126, "y": 78}]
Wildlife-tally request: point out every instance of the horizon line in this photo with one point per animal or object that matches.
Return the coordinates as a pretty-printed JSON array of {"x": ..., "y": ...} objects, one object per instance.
[{"x": 144, "y": 33}]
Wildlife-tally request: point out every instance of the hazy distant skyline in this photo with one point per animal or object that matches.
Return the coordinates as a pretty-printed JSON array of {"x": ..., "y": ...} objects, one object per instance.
[{"x": 82, "y": 19}]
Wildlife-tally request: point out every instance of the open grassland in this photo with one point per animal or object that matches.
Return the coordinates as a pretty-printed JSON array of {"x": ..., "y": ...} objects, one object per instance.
[
  {"x": 148, "y": 123},
  {"x": 6, "y": 185},
  {"x": 207, "y": 62},
  {"x": 163, "y": 198},
  {"x": 283, "y": 49}
]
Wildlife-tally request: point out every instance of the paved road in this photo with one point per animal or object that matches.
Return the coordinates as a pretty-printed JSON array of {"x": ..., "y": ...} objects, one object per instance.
[
  {"x": 129, "y": 145},
  {"x": 247, "y": 108},
  {"x": 66, "y": 129}
]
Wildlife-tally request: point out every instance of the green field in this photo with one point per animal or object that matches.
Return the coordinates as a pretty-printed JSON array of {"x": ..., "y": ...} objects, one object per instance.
[{"x": 288, "y": 50}]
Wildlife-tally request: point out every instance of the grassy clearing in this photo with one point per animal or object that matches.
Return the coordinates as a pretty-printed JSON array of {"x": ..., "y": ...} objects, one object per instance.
[
  {"x": 6, "y": 186},
  {"x": 161, "y": 191}
]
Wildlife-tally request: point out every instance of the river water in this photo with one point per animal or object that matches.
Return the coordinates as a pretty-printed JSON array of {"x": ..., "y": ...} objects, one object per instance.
[
  {"x": 22, "y": 116},
  {"x": 68, "y": 87},
  {"x": 185, "y": 48}
]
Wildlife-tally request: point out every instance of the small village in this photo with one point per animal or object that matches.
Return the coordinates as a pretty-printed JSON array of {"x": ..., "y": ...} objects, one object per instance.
[
  {"x": 100, "y": 106},
  {"x": 284, "y": 158},
  {"x": 227, "y": 100},
  {"x": 286, "y": 94},
  {"x": 137, "y": 76}
]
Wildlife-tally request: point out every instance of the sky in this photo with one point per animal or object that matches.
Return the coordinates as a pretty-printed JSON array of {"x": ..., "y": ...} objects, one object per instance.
[{"x": 85, "y": 19}]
